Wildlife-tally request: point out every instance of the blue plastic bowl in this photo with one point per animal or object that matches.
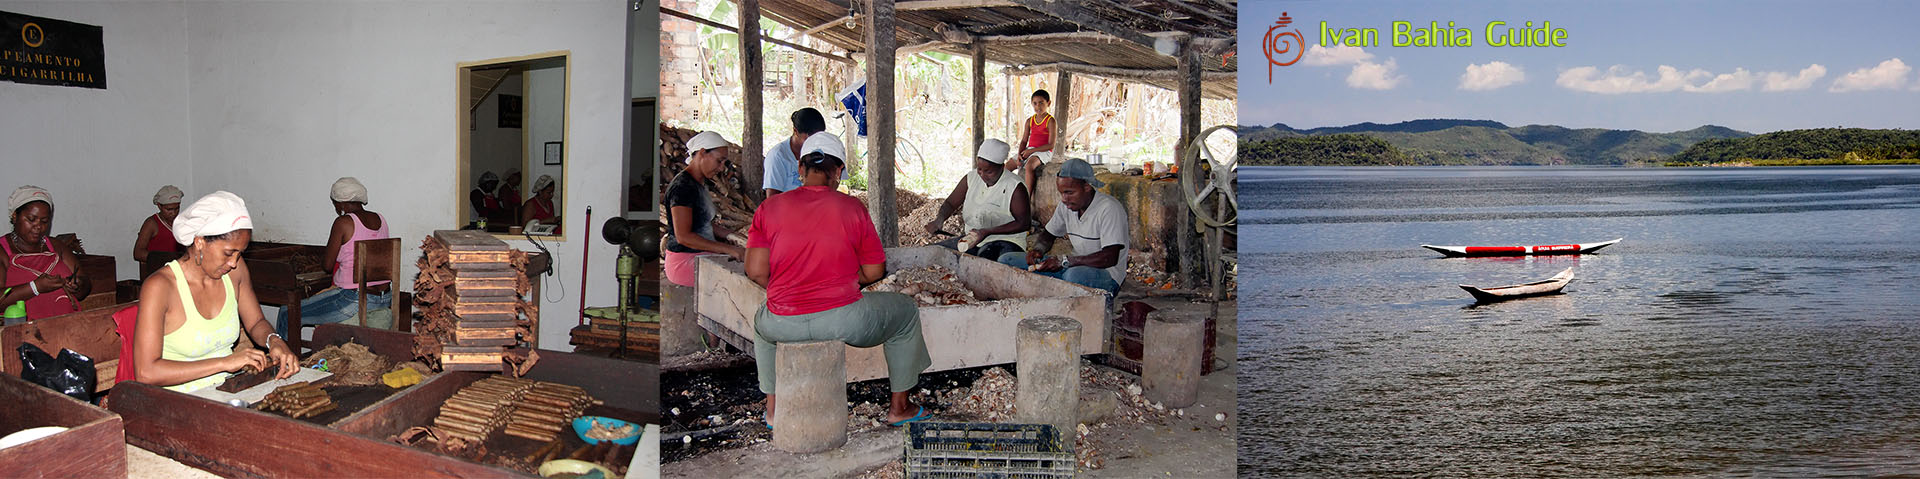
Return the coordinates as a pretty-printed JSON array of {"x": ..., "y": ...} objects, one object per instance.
[{"x": 583, "y": 423}]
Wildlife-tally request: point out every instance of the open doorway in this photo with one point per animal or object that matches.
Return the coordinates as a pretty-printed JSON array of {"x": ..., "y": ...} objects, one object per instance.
[{"x": 513, "y": 145}]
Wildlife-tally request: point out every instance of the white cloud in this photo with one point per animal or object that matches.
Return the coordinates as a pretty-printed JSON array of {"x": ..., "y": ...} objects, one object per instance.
[
  {"x": 1618, "y": 79},
  {"x": 1366, "y": 73},
  {"x": 1779, "y": 81},
  {"x": 1739, "y": 80},
  {"x": 1320, "y": 56},
  {"x": 1888, "y": 75},
  {"x": 1491, "y": 76},
  {"x": 1374, "y": 76}
]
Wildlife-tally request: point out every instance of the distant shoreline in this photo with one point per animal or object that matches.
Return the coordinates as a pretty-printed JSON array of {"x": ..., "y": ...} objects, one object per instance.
[{"x": 1795, "y": 162}]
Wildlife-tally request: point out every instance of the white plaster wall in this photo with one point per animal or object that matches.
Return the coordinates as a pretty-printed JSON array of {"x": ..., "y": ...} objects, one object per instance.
[
  {"x": 286, "y": 97},
  {"x": 494, "y": 148},
  {"x": 546, "y": 92},
  {"x": 102, "y": 153},
  {"x": 643, "y": 50}
]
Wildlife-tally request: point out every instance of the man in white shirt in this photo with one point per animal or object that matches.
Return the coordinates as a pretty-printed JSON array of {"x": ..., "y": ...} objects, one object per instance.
[{"x": 1095, "y": 223}]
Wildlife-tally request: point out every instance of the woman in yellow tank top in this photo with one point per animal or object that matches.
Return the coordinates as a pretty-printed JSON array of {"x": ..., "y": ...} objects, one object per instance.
[{"x": 192, "y": 312}]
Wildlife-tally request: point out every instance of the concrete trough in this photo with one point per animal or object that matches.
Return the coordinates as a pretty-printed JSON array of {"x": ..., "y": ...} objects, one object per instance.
[{"x": 958, "y": 336}]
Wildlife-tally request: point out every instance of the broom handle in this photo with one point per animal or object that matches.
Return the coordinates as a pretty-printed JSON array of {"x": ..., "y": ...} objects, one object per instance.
[{"x": 584, "y": 249}]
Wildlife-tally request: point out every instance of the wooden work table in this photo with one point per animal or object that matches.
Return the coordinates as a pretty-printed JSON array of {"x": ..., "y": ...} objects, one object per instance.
[{"x": 240, "y": 442}]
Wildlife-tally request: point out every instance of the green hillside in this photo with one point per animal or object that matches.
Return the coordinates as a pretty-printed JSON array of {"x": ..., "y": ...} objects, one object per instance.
[
  {"x": 1473, "y": 142},
  {"x": 1819, "y": 146}
]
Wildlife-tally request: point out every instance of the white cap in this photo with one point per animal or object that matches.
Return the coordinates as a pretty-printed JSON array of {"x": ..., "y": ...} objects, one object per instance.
[
  {"x": 541, "y": 183},
  {"x": 704, "y": 141},
  {"x": 27, "y": 194},
  {"x": 168, "y": 195},
  {"x": 347, "y": 189},
  {"x": 993, "y": 150},
  {"x": 824, "y": 142},
  {"x": 212, "y": 215}
]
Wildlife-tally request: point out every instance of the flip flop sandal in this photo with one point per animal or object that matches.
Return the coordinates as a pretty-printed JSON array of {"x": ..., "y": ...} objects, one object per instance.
[{"x": 921, "y": 416}]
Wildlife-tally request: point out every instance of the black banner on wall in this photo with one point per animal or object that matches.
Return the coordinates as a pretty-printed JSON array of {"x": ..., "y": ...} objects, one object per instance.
[{"x": 51, "y": 52}]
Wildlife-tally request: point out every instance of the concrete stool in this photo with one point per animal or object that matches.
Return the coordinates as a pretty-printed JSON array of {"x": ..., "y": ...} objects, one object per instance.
[
  {"x": 1170, "y": 360},
  {"x": 1048, "y": 351},
  {"x": 810, "y": 410},
  {"x": 680, "y": 332}
]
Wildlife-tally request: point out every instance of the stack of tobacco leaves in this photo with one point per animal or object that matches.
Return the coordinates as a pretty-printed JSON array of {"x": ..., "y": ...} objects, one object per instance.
[{"x": 469, "y": 293}]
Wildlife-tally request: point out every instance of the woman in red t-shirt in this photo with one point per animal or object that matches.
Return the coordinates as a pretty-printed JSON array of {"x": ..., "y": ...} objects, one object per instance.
[
  {"x": 813, "y": 248},
  {"x": 1036, "y": 138}
]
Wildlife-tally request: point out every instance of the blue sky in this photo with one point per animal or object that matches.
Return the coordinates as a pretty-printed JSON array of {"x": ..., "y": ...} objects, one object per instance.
[{"x": 1755, "y": 66}]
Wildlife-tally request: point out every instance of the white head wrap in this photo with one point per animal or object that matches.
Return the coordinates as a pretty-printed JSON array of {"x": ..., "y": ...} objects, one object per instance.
[
  {"x": 212, "y": 215},
  {"x": 824, "y": 142},
  {"x": 993, "y": 150},
  {"x": 347, "y": 189},
  {"x": 28, "y": 194},
  {"x": 542, "y": 183},
  {"x": 168, "y": 195}
]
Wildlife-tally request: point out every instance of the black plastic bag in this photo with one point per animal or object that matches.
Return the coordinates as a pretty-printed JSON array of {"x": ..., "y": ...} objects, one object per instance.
[{"x": 70, "y": 373}]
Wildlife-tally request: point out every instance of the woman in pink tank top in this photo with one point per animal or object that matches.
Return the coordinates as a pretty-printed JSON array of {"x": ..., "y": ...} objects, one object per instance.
[
  {"x": 354, "y": 224},
  {"x": 42, "y": 272}
]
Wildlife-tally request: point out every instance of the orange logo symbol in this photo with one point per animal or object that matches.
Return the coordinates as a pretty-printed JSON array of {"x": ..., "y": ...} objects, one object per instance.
[
  {"x": 33, "y": 35},
  {"x": 1278, "y": 44}
]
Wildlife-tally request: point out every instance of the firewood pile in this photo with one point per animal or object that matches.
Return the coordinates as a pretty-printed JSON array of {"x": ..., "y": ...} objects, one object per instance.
[
  {"x": 733, "y": 207},
  {"x": 469, "y": 293},
  {"x": 547, "y": 409},
  {"x": 297, "y": 400},
  {"x": 523, "y": 408},
  {"x": 928, "y": 285}
]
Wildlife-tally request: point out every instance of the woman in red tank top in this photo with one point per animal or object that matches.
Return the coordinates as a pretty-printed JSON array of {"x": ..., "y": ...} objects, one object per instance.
[
  {"x": 1036, "y": 138},
  {"x": 156, "y": 233},
  {"x": 39, "y": 271}
]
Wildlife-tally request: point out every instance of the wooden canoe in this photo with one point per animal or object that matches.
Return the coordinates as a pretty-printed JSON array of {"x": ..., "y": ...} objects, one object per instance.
[
  {"x": 1502, "y": 293},
  {"x": 1471, "y": 251}
]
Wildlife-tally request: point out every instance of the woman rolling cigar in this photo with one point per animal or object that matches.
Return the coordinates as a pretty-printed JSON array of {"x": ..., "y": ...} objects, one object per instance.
[
  {"x": 352, "y": 223},
  {"x": 42, "y": 272},
  {"x": 690, "y": 209},
  {"x": 813, "y": 248},
  {"x": 156, "y": 234},
  {"x": 193, "y": 311}
]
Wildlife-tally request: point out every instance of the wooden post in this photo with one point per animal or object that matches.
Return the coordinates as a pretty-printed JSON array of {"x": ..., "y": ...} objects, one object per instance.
[
  {"x": 881, "y": 46},
  {"x": 1062, "y": 96},
  {"x": 979, "y": 94},
  {"x": 1189, "y": 98},
  {"x": 753, "y": 74}
]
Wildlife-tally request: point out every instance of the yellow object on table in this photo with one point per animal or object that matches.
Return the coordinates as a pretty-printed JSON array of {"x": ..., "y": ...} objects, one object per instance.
[{"x": 401, "y": 378}]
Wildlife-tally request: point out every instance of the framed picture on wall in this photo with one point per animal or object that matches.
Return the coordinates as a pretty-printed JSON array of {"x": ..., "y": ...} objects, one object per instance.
[
  {"x": 509, "y": 111},
  {"x": 553, "y": 153}
]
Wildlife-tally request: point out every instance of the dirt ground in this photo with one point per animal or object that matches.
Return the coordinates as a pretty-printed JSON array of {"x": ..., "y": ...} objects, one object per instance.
[{"x": 714, "y": 420}]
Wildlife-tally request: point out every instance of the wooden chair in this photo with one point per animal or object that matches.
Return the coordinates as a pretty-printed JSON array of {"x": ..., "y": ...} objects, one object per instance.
[{"x": 378, "y": 260}]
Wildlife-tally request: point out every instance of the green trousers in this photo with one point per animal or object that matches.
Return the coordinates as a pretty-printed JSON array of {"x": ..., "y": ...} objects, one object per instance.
[{"x": 888, "y": 320}]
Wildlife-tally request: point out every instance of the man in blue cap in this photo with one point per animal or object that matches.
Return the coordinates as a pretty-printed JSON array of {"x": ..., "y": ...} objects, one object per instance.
[{"x": 1095, "y": 223}]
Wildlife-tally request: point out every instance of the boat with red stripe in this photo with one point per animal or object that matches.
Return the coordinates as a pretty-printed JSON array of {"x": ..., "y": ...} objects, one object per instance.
[{"x": 1556, "y": 249}]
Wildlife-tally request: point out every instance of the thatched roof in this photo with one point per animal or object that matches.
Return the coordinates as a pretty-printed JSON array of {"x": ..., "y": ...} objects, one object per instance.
[{"x": 1112, "y": 38}]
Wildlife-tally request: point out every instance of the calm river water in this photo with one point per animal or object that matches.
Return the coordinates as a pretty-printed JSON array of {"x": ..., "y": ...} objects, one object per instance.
[{"x": 1754, "y": 322}]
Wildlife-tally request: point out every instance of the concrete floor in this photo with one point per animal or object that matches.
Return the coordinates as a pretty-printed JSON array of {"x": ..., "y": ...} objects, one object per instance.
[{"x": 1194, "y": 445}]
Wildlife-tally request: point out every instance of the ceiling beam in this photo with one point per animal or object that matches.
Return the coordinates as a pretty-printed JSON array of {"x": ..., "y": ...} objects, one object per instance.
[
  {"x": 1049, "y": 38},
  {"x": 1075, "y": 14},
  {"x": 696, "y": 19},
  {"x": 919, "y": 5},
  {"x": 1136, "y": 74},
  {"x": 1201, "y": 12}
]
